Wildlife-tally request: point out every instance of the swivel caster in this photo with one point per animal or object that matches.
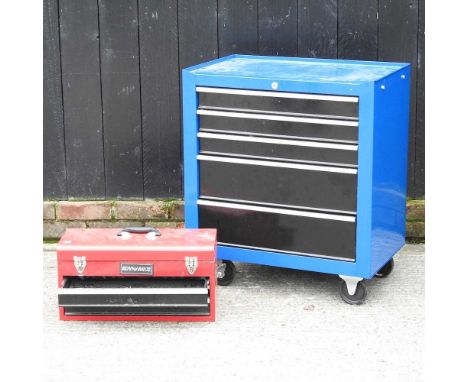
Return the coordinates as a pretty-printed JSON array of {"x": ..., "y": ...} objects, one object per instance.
[
  {"x": 225, "y": 272},
  {"x": 386, "y": 269},
  {"x": 353, "y": 290}
]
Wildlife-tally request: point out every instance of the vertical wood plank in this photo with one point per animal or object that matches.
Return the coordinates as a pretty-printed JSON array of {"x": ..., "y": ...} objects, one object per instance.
[
  {"x": 54, "y": 168},
  {"x": 317, "y": 28},
  {"x": 79, "y": 36},
  {"x": 120, "y": 78},
  {"x": 398, "y": 32},
  {"x": 198, "y": 29},
  {"x": 357, "y": 29},
  {"x": 277, "y": 27},
  {"x": 237, "y": 27},
  {"x": 160, "y": 98},
  {"x": 419, "y": 166}
]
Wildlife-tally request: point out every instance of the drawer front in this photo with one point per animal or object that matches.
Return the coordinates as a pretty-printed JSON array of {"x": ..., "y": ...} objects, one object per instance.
[
  {"x": 274, "y": 148},
  {"x": 280, "y": 183},
  {"x": 281, "y": 230},
  {"x": 278, "y": 102},
  {"x": 278, "y": 126},
  {"x": 134, "y": 296},
  {"x": 137, "y": 310}
]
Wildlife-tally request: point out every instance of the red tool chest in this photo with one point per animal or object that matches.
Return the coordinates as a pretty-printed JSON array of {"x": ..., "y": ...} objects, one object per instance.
[{"x": 137, "y": 274}]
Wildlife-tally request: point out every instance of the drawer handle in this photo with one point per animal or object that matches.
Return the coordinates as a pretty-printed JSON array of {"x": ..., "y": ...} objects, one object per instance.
[
  {"x": 130, "y": 291},
  {"x": 273, "y": 117},
  {"x": 283, "y": 211},
  {"x": 296, "y": 166},
  {"x": 278, "y": 141},
  {"x": 260, "y": 93}
]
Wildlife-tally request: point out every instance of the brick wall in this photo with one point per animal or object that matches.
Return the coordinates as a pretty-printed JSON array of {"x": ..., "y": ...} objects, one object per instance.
[
  {"x": 57, "y": 216},
  {"x": 415, "y": 218}
]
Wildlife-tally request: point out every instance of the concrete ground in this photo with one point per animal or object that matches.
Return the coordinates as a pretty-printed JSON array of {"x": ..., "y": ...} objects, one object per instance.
[{"x": 272, "y": 324}]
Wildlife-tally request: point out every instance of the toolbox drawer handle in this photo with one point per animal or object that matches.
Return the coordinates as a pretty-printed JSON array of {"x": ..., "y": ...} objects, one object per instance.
[{"x": 155, "y": 231}]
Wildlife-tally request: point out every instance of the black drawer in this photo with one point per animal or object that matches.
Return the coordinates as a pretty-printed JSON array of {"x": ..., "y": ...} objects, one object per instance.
[
  {"x": 280, "y": 183},
  {"x": 279, "y": 126},
  {"x": 134, "y": 296},
  {"x": 291, "y": 231},
  {"x": 278, "y": 102},
  {"x": 274, "y": 148}
]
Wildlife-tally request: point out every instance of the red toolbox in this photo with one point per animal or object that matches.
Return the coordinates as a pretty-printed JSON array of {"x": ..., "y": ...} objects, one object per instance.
[{"x": 137, "y": 274}]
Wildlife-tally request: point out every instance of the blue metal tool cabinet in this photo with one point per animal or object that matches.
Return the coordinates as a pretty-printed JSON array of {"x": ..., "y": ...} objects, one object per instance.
[{"x": 299, "y": 163}]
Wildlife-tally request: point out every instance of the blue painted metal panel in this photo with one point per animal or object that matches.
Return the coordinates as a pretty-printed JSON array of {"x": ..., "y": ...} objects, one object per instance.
[
  {"x": 190, "y": 141},
  {"x": 389, "y": 173},
  {"x": 364, "y": 187},
  {"x": 299, "y": 69},
  {"x": 288, "y": 261},
  {"x": 382, "y": 155}
]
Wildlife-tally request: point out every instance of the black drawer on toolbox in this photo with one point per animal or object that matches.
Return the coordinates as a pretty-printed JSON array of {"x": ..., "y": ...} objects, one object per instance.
[
  {"x": 278, "y": 102},
  {"x": 291, "y": 231},
  {"x": 134, "y": 296},
  {"x": 280, "y": 126},
  {"x": 274, "y": 148},
  {"x": 281, "y": 183}
]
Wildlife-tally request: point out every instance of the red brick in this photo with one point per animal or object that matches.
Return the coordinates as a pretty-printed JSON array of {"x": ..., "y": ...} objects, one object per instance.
[
  {"x": 83, "y": 210},
  {"x": 415, "y": 210},
  {"x": 55, "y": 229},
  {"x": 144, "y": 210},
  {"x": 415, "y": 230},
  {"x": 177, "y": 212},
  {"x": 114, "y": 224},
  {"x": 48, "y": 210},
  {"x": 161, "y": 224}
]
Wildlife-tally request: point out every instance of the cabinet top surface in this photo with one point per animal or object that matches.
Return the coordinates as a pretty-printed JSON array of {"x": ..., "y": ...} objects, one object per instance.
[{"x": 298, "y": 69}]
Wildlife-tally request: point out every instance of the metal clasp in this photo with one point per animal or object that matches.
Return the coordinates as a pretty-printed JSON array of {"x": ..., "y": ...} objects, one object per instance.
[
  {"x": 80, "y": 263},
  {"x": 191, "y": 263}
]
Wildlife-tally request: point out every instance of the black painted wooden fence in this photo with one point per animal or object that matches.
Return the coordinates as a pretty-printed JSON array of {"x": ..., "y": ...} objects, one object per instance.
[{"x": 112, "y": 126}]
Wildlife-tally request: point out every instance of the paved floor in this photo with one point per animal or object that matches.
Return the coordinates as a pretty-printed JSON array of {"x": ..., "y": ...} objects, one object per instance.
[{"x": 272, "y": 325}]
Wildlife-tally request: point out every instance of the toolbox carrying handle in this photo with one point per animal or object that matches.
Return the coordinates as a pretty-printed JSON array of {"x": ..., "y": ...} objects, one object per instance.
[{"x": 140, "y": 230}]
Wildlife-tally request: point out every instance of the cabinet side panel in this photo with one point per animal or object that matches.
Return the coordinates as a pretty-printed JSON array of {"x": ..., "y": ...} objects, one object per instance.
[
  {"x": 190, "y": 129},
  {"x": 390, "y": 166}
]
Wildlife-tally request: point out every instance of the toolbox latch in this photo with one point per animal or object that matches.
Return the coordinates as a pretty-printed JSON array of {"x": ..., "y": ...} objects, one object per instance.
[{"x": 191, "y": 263}]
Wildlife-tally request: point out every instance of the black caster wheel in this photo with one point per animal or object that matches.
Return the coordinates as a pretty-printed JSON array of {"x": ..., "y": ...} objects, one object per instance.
[
  {"x": 358, "y": 297},
  {"x": 386, "y": 269},
  {"x": 229, "y": 273}
]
